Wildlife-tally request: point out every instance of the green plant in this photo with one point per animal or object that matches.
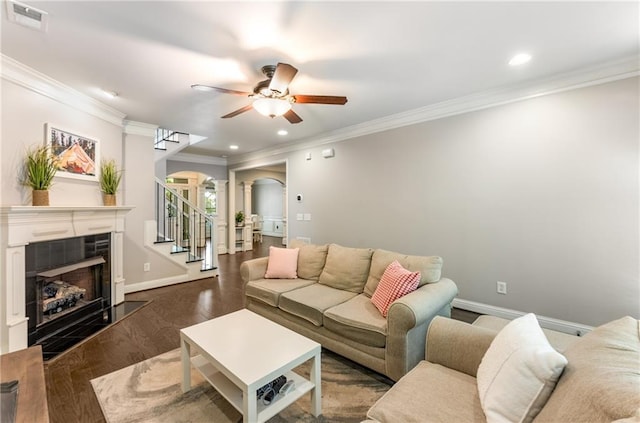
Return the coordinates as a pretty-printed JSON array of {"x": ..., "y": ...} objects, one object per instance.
[
  {"x": 239, "y": 217},
  {"x": 40, "y": 167},
  {"x": 110, "y": 176}
]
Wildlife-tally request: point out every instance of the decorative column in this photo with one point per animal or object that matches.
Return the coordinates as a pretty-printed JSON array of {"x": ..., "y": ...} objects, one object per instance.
[
  {"x": 247, "y": 236},
  {"x": 221, "y": 215},
  {"x": 285, "y": 213}
]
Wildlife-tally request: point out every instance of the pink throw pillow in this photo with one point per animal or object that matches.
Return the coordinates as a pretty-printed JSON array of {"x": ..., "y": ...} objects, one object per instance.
[
  {"x": 282, "y": 264},
  {"x": 396, "y": 281}
]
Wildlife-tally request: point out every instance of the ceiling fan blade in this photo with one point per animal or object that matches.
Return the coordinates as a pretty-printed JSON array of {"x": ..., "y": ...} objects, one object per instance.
[
  {"x": 201, "y": 87},
  {"x": 237, "y": 112},
  {"x": 282, "y": 77},
  {"x": 319, "y": 99},
  {"x": 292, "y": 117}
]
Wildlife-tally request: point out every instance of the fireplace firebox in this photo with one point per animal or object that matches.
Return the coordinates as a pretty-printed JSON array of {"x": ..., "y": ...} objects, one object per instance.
[{"x": 68, "y": 290}]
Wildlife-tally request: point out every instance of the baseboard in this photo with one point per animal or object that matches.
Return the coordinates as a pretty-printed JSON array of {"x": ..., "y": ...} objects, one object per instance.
[
  {"x": 509, "y": 314},
  {"x": 156, "y": 283}
]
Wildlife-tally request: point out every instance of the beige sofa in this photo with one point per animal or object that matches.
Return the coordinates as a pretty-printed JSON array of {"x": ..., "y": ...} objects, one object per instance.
[
  {"x": 330, "y": 302},
  {"x": 601, "y": 382}
]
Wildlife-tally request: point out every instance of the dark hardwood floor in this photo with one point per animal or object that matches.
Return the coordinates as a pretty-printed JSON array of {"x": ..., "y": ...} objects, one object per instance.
[{"x": 149, "y": 331}]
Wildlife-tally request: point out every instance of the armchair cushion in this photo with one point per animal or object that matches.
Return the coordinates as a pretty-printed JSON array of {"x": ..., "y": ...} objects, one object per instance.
[{"x": 518, "y": 372}]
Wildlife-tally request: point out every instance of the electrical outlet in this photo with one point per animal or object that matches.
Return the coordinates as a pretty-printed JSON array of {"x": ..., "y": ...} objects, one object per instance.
[
  {"x": 147, "y": 267},
  {"x": 501, "y": 287}
]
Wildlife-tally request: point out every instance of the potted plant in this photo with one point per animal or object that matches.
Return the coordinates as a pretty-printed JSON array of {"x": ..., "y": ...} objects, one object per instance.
[
  {"x": 110, "y": 178},
  {"x": 239, "y": 218},
  {"x": 40, "y": 167}
]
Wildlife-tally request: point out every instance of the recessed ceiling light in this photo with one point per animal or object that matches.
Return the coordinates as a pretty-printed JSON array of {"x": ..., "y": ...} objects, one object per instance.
[
  {"x": 109, "y": 94},
  {"x": 283, "y": 132},
  {"x": 233, "y": 147},
  {"x": 520, "y": 59}
]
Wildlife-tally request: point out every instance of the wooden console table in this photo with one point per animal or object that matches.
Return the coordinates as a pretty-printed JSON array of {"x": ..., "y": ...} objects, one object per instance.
[{"x": 27, "y": 368}]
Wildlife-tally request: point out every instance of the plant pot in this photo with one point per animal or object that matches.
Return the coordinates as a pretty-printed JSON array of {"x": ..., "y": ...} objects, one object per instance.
[
  {"x": 40, "y": 197},
  {"x": 109, "y": 199}
]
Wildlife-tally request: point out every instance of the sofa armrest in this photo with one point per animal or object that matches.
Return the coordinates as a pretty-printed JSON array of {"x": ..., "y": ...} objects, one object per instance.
[
  {"x": 457, "y": 345},
  {"x": 253, "y": 269},
  {"x": 408, "y": 320}
]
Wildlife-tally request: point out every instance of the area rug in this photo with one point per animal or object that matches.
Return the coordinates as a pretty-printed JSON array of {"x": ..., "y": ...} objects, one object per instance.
[{"x": 150, "y": 391}]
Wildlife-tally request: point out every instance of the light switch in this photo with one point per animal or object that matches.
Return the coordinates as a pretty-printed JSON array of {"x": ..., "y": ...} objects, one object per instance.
[
  {"x": 299, "y": 216},
  {"x": 307, "y": 216}
]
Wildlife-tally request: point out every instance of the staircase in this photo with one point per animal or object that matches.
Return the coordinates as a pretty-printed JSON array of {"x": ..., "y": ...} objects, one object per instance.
[{"x": 185, "y": 233}]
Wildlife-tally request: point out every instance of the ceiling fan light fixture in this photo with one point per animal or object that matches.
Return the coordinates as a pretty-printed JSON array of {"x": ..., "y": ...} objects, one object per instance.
[{"x": 271, "y": 107}]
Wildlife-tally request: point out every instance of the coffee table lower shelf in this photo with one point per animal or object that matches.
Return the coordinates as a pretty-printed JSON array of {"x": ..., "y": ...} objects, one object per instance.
[{"x": 233, "y": 393}]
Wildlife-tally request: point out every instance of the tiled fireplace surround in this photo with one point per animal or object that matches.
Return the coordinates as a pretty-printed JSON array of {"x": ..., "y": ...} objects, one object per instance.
[{"x": 22, "y": 225}]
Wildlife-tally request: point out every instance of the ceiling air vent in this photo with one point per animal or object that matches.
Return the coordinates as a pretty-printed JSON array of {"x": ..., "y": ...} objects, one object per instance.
[{"x": 28, "y": 16}]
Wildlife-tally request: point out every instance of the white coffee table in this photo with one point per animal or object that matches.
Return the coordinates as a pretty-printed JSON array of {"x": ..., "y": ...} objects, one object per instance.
[{"x": 242, "y": 351}]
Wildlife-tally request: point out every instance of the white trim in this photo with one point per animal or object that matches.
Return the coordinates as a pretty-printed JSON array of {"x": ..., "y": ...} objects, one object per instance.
[
  {"x": 132, "y": 127},
  {"x": 156, "y": 283},
  {"x": 31, "y": 79},
  {"x": 509, "y": 314},
  {"x": 601, "y": 74},
  {"x": 196, "y": 158}
]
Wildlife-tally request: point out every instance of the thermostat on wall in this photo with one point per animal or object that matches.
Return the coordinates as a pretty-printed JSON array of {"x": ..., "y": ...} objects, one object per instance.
[{"x": 328, "y": 152}]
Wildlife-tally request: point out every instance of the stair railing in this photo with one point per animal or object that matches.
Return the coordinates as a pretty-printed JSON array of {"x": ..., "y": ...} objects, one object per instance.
[
  {"x": 166, "y": 135},
  {"x": 187, "y": 227}
]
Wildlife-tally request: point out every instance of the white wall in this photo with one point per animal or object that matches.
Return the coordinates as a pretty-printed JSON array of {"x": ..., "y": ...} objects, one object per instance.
[{"x": 542, "y": 194}]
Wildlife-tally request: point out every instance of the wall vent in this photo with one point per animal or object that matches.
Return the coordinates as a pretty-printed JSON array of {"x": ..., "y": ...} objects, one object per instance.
[{"x": 28, "y": 16}]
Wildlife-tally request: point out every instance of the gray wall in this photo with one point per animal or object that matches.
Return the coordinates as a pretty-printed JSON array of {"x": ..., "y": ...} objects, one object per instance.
[
  {"x": 24, "y": 114},
  {"x": 218, "y": 172},
  {"x": 541, "y": 194},
  {"x": 266, "y": 198},
  {"x": 139, "y": 191}
]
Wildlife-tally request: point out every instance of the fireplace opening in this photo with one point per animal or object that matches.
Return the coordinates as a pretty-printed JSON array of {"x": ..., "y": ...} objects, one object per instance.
[
  {"x": 68, "y": 290},
  {"x": 62, "y": 290}
]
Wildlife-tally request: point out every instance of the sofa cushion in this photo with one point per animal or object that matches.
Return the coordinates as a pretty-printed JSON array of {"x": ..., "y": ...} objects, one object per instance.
[
  {"x": 269, "y": 290},
  {"x": 430, "y": 268},
  {"x": 518, "y": 372},
  {"x": 282, "y": 264},
  {"x": 430, "y": 393},
  {"x": 359, "y": 320},
  {"x": 346, "y": 268},
  {"x": 311, "y": 301},
  {"x": 311, "y": 259},
  {"x": 601, "y": 383},
  {"x": 395, "y": 282}
]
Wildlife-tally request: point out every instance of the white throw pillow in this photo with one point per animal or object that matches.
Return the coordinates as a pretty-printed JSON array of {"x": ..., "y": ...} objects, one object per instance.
[{"x": 518, "y": 372}]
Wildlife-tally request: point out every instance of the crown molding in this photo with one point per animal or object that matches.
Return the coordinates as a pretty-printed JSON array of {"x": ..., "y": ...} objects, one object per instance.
[
  {"x": 596, "y": 75},
  {"x": 131, "y": 127},
  {"x": 31, "y": 79},
  {"x": 197, "y": 158}
]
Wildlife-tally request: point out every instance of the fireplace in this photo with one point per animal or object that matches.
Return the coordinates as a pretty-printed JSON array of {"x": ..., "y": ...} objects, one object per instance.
[
  {"x": 68, "y": 290},
  {"x": 61, "y": 268}
]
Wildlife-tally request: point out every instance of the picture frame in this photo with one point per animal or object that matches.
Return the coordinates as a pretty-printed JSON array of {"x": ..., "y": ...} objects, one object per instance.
[{"x": 78, "y": 155}]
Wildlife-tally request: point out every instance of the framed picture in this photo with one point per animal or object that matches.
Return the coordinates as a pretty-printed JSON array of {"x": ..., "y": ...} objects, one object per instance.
[{"x": 78, "y": 155}]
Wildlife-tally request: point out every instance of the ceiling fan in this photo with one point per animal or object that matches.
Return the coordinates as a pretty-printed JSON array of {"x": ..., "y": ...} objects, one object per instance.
[{"x": 271, "y": 97}]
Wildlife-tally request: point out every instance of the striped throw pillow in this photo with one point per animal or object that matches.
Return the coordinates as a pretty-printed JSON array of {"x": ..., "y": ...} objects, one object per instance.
[{"x": 396, "y": 281}]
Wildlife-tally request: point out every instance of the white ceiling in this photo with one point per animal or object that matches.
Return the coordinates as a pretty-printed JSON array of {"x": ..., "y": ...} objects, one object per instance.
[{"x": 386, "y": 57}]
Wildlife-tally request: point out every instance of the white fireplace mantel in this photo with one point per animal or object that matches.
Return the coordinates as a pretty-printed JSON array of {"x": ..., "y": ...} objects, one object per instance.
[{"x": 22, "y": 225}]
